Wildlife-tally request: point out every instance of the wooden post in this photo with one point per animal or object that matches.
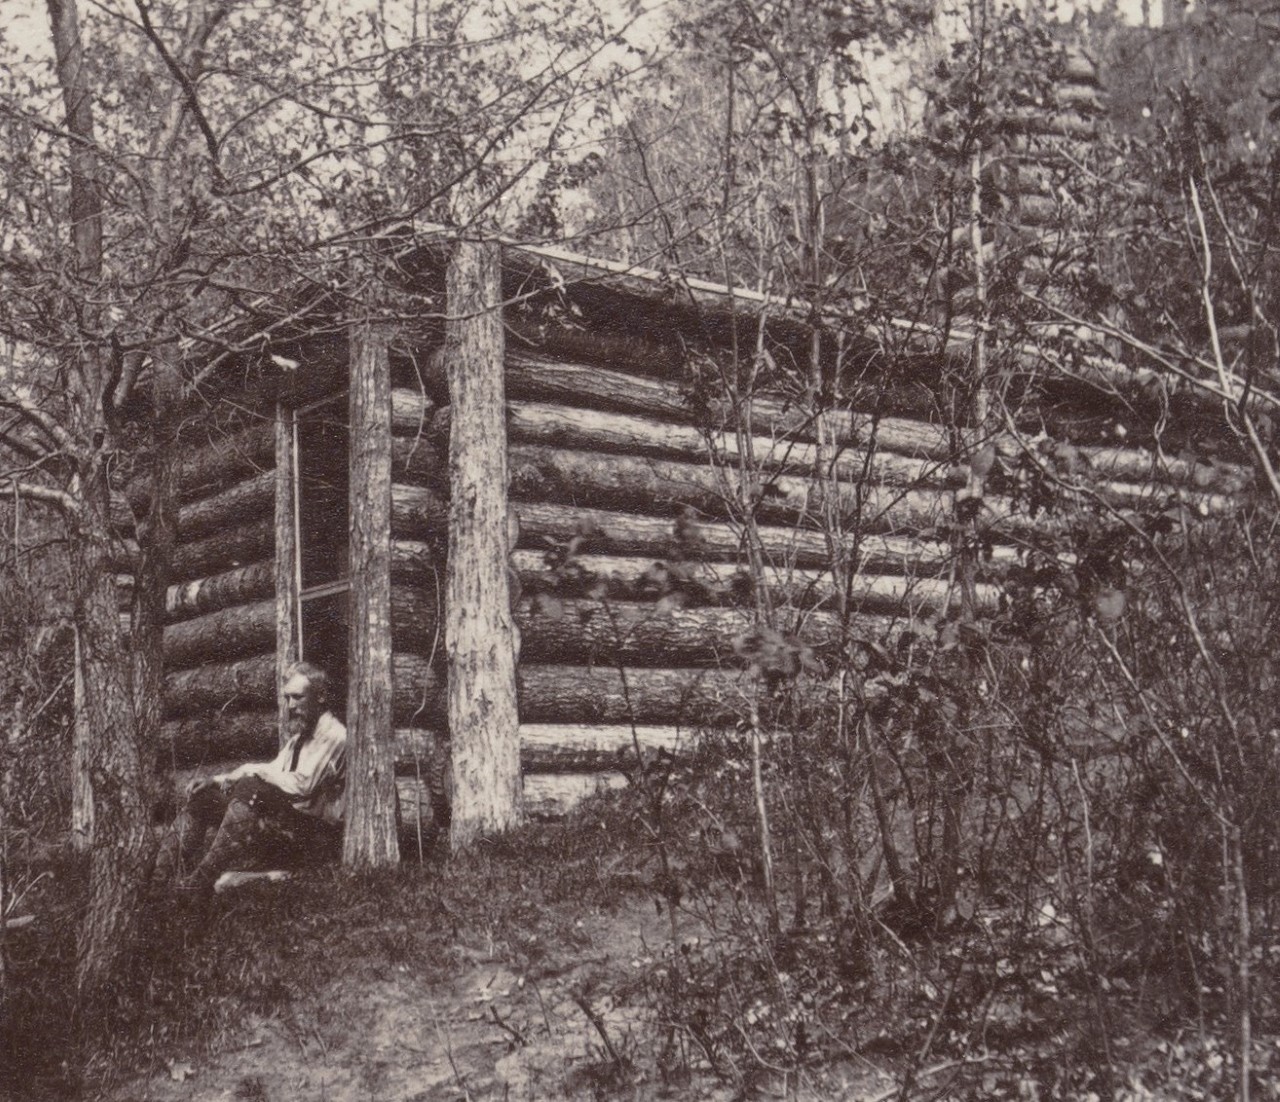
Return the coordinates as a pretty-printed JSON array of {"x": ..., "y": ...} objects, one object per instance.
[
  {"x": 479, "y": 633},
  {"x": 288, "y": 603},
  {"x": 370, "y": 840}
]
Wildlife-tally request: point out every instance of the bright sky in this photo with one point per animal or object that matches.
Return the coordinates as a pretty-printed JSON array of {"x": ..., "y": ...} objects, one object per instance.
[{"x": 26, "y": 24}]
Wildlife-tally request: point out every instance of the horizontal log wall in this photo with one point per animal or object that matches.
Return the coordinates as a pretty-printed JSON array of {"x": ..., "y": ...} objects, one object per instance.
[
  {"x": 219, "y": 641},
  {"x": 630, "y": 584},
  {"x": 633, "y": 561}
]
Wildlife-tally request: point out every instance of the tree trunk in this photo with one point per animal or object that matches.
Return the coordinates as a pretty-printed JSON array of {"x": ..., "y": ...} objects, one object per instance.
[
  {"x": 157, "y": 537},
  {"x": 602, "y": 531},
  {"x": 665, "y": 486},
  {"x": 226, "y": 550},
  {"x": 110, "y": 733},
  {"x": 547, "y": 796},
  {"x": 593, "y": 430},
  {"x": 713, "y": 583},
  {"x": 418, "y": 693},
  {"x": 370, "y": 839},
  {"x": 240, "y": 456},
  {"x": 234, "y": 632},
  {"x": 562, "y": 747},
  {"x": 532, "y": 376},
  {"x": 419, "y": 462},
  {"x": 233, "y": 587},
  {"x": 249, "y": 682},
  {"x": 415, "y": 619},
  {"x": 238, "y": 503},
  {"x": 596, "y": 430},
  {"x": 599, "y": 694},
  {"x": 417, "y": 512},
  {"x": 113, "y": 740},
  {"x": 411, "y": 412},
  {"x": 479, "y": 636},
  {"x": 243, "y": 630},
  {"x": 219, "y": 736},
  {"x": 643, "y": 633},
  {"x": 286, "y": 564}
]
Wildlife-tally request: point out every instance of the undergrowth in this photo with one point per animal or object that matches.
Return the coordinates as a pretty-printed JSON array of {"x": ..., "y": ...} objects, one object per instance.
[
  {"x": 991, "y": 1003},
  {"x": 264, "y": 947}
]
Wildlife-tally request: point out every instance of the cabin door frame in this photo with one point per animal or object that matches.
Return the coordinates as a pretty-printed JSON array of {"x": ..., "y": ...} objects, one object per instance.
[{"x": 312, "y": 591}]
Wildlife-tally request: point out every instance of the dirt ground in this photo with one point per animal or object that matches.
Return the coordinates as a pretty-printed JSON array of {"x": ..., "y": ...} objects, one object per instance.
[
  {"x": 488, "y": 1033},
  {"x": 491, "y": 1031}
]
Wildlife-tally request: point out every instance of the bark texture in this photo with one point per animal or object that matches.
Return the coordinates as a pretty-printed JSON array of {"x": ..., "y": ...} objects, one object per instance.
[
  {"x": 232, "y": 587},
  {"x": 242, "y": 501},
  {"x": 247, "y": 682},
  {"x": 545, "y": 524},
  {"x": 240, "y": 456},
  {"x": 226, "y": 550},
  {"x": 702, "y": 583},
  {"x": 284, "y": 541},
  {"x": 418, "y": 512},
  {"x": 370, "y": 839},
  {"x": 598, "y": 694},
  {"x": 111, "y": 735},
  {"x": 479, "y": 636},
  {"x": 560, "y": 747},
  {"x": 667, "y": 486},
  {"x": 237, "y": 736},
  {"x": 233, "y": 632},
  {"x": 644, "y": 633}
]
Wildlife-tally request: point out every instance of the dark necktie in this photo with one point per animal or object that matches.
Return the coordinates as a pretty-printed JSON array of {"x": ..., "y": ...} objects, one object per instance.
[{"x": 297, "y": 749}]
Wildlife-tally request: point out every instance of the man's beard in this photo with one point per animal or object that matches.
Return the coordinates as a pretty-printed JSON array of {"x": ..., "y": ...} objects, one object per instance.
[{"x": 302, "y": 725}]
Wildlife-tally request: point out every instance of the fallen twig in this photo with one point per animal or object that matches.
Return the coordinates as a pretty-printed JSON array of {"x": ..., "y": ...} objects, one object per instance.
[
  {"x": 585, "y": 1006},
  {"x": 506, "y": 1027}
]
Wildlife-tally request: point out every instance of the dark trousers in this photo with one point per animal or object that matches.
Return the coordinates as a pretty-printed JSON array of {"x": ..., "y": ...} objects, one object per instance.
[{"x": 251, "y": 826}]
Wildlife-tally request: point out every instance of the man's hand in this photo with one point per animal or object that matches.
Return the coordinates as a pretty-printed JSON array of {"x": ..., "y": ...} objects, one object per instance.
[{"x": 199, "y": 784}]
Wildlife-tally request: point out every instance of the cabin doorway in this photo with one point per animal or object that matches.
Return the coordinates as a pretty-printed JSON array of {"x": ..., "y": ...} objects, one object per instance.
[{"x": 324, "y": 583}]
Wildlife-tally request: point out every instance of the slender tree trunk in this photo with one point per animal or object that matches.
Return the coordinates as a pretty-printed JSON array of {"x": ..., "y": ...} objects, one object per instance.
[
  {"x": 110, "y": 733},
  {"x": 117, "y": 765},
  {"x": 86, "y": 244},
  {"x": 287, "y": 582},
  {"x": 479, "y": 635},
  {"x": 370, "y": 840}
]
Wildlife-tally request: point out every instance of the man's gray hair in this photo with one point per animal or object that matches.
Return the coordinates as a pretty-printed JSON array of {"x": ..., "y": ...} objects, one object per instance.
[{"x": 316, "y": 678}]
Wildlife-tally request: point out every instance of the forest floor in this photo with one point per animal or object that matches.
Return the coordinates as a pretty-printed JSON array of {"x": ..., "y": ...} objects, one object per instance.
[
  {"x": 552, "y": 965},
  {"x": 508, "y": 1022}
]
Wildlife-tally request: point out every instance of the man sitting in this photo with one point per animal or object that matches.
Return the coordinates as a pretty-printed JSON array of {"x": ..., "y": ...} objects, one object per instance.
[{"x": 266, "y": 813}]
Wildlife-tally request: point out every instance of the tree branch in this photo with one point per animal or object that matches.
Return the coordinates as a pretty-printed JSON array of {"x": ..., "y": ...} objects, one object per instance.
[
  {"x": 34, "y": 415},
  {"x": 47, "y": 495},
  {"x": 189, "y": 91}
]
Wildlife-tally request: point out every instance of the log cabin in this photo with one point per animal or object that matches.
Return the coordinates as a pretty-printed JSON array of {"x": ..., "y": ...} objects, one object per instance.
[
  {"x": 633, "y": 467},
  {"x": 681, "y": 458}
]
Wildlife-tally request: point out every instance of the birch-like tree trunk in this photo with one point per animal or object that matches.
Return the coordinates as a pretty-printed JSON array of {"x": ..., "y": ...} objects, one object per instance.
[{"x": 479, "y": 632}]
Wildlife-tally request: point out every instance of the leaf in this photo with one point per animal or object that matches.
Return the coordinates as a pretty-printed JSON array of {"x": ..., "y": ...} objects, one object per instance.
[
  {"x": 180, "y": 1070},
  {"x": 1109, "y": 604},
  {"x": 982, "y": 463}
]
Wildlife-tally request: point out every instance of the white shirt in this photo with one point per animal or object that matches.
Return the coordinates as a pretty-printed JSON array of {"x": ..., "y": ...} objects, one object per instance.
[{"x": 321, "y": 760}]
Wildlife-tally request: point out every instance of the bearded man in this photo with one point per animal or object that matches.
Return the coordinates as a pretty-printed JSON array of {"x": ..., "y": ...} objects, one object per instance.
[{"x": 266, "y": 814}]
